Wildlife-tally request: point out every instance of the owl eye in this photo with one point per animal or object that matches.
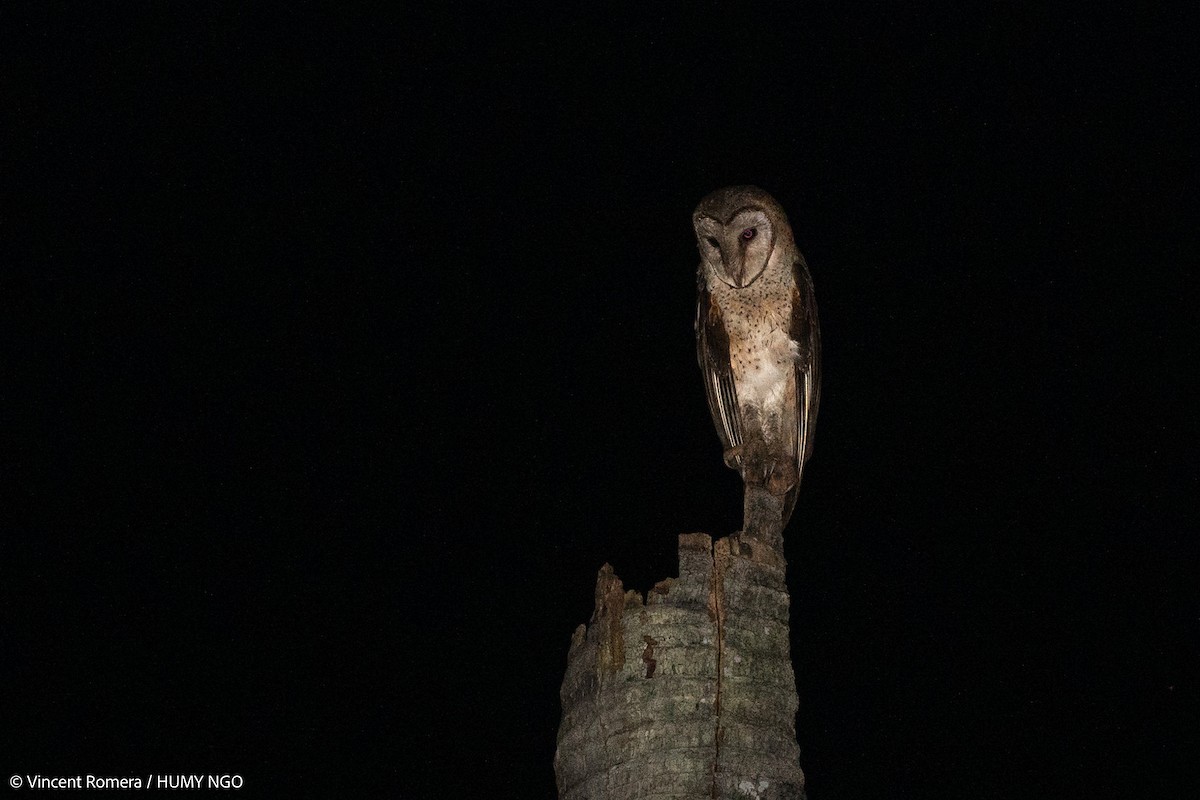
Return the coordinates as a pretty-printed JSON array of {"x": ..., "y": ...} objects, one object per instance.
[
  {"x": 749, "y": 233},
  {"x": 713, "y": 242}
]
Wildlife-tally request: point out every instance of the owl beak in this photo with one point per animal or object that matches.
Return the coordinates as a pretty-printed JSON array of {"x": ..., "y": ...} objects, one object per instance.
[{"x": 738, "y": 276}]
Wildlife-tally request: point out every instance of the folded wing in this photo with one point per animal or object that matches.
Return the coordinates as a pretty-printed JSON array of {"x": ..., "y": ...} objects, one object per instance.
[{"x": 712, "y": 350}]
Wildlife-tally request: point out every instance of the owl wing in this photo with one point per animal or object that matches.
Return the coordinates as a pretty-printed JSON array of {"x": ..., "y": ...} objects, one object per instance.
[
  {"x": 712, "y": 350},
  {"x": 806, "y": 332}
]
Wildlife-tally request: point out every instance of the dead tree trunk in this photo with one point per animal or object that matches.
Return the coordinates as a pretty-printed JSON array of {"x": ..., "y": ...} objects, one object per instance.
[{"x": 690, "y": 694}]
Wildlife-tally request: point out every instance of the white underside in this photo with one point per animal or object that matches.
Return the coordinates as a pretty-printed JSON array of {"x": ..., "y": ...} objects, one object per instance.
[{"x": 764, "y": 382}]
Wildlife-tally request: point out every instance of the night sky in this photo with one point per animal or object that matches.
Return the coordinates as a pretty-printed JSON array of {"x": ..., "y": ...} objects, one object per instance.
[{"x": 344, "y": 348}]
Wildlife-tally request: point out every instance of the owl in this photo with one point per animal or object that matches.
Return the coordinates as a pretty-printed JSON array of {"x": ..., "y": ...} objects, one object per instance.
[{"x": 757, "y": 338}]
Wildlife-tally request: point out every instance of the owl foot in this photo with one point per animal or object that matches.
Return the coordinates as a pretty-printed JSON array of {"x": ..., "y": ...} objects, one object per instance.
[
  {"x": 782, "y": 477},
  {"x": 733, "y": 457},
  {"x": 752, "y": 461},
  {"x": 747, "y": 459}
]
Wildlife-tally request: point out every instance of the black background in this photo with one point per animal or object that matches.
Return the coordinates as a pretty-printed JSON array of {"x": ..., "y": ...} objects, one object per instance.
[{"x": 346, "y": 347}]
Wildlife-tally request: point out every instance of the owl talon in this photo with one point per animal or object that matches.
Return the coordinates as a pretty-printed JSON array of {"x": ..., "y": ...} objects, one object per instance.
[
  {"x": 733, "y": 457},
  {"x": 783, "y": 476}
]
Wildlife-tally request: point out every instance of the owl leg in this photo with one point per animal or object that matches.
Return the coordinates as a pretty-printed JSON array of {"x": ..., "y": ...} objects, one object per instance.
[
  {"x": 753, "y": 457},
  {"x": 754, "y": 461},
  {"x": 778, "y": 474}
]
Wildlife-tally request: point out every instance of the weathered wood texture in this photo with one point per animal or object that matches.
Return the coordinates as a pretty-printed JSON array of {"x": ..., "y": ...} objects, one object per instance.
[{"x": 690, "y": 694}]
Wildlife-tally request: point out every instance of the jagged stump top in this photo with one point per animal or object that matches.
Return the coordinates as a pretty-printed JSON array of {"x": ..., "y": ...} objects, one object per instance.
[{"x": 689, "y": 694}]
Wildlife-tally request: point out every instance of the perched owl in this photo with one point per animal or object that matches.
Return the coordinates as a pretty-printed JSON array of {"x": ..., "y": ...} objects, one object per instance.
[{"x": 757, "y": 338}]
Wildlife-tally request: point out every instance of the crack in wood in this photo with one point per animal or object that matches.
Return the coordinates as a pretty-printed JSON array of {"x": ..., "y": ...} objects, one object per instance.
[
  {"x": 716, "y": 600},
  {"x": 648, "y": 656}
]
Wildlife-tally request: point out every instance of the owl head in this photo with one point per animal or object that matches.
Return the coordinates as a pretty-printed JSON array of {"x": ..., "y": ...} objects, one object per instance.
[{"x": 737, "y": 229}]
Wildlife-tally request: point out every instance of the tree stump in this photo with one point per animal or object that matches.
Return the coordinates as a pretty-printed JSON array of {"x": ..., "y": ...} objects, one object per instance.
[{"x": 690, "y": 694}]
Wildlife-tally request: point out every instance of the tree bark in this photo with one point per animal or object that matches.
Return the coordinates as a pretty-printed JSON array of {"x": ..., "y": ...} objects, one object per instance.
[{"x": 690, "y": 694}]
